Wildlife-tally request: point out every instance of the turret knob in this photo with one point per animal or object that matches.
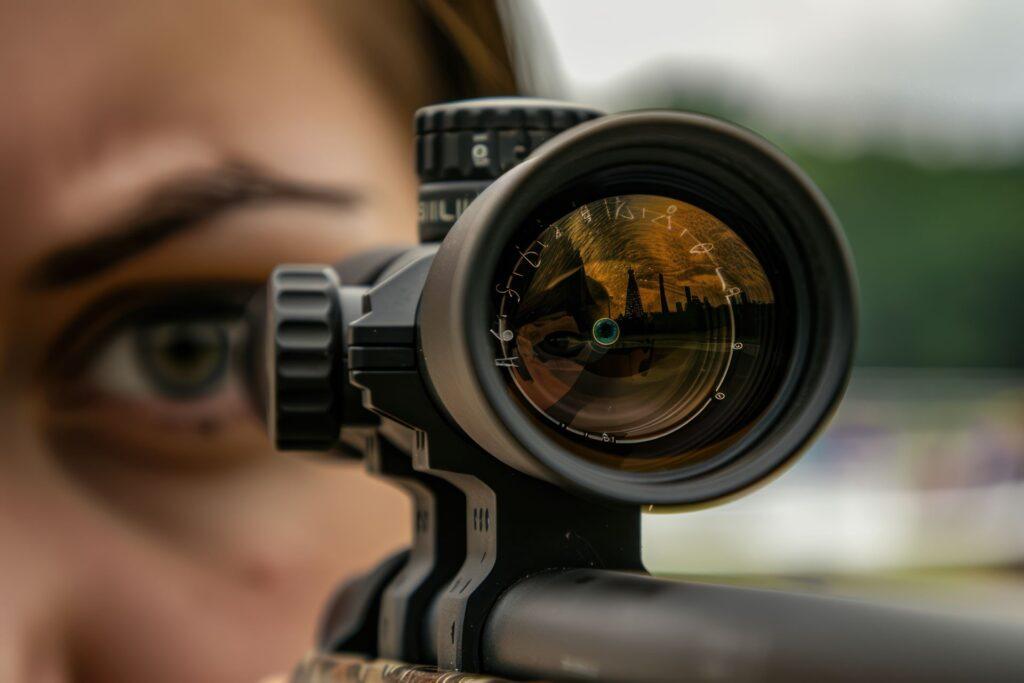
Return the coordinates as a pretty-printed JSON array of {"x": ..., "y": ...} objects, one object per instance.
[
  {"x": 461, "y": 147},
  {"x": 303, "y": 325}
]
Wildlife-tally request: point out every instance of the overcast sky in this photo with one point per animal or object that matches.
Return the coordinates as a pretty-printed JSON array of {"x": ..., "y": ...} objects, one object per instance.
[{"x": 943, "y": 76}]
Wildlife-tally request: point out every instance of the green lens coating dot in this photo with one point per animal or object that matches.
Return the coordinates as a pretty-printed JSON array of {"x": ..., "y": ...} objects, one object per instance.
[{"x": 605, "y": 331}]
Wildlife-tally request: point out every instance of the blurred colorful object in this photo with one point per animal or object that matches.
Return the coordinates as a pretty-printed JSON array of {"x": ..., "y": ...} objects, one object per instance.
[{"x": 920, "y": 468}]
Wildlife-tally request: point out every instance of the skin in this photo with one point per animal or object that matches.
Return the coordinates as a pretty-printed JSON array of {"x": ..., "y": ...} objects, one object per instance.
[{"x": 146, "y": 537}]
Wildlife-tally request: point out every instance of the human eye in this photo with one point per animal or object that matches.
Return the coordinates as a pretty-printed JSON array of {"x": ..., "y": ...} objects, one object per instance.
[
  {"x": 158, "y": 378},
  {"x": 176, "y": 358}
]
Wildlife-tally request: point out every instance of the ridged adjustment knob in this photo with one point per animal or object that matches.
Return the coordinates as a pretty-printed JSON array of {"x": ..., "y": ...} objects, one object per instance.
[
  {"x": 304, "y": 325},
  {"x": 483, "y": 138}
]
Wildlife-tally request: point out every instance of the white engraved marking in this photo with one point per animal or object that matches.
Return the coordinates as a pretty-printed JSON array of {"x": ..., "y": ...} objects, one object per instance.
[
  {"x": 526, "y": 257},
  {"x": 502, "y": 334},
  {"x": 622, "y": 209},
  {"x": 507, "y": 291},
  {"x": 480, "y": 152}
]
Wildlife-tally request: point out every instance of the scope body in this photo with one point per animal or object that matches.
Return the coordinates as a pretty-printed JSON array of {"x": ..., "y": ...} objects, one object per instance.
[
  {"x": 655, "y": 308},
  {"x": 651, "y": 310}
]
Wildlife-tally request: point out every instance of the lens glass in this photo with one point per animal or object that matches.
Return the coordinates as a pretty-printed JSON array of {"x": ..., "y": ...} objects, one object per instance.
[{"x": 639, "y": 326}]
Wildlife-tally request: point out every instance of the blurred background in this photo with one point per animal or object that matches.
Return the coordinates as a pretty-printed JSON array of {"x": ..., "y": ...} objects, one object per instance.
[
  {"x": 158, "y": 158},
  {"x": 910, "y": 117}
]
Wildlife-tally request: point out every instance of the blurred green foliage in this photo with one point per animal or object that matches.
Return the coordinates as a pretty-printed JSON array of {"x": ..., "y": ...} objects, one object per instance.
[
  {"x": 939, "y": 254},
  {"x": 939, "y": 249}
]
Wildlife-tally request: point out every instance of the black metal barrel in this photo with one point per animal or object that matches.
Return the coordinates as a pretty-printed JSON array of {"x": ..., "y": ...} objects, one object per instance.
[{"x": 608, "y": 626}]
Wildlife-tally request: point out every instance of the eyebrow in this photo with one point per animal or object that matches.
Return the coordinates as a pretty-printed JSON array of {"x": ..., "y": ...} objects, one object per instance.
[{"x": 175, "y": 207}]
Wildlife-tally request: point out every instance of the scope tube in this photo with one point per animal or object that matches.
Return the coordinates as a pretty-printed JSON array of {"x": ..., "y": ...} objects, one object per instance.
[{"x": 601, "y": 625}]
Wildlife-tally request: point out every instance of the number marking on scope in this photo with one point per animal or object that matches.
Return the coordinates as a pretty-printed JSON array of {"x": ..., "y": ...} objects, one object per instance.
[
  {"x": 666, "y": 217},
  {"x": 622, "y": 209},
  {"x": 508, "y": 291},
  {"x": 526, "y": 257},
  {"x": 503, "y": 334},
  {"x": 480, "y": 152}
]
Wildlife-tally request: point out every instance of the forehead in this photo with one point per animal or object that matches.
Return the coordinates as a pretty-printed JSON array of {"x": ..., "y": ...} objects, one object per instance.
[
  {"x": 105, "y": 97},
  {"x": 104, "y": 101},
  {"x": 118, "y": 63}
]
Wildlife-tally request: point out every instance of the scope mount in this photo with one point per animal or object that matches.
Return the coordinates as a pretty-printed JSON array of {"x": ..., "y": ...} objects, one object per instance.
[{"x": 480, "y": 526}]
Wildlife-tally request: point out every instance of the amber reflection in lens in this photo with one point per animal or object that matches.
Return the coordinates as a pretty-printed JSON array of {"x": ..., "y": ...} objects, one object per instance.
[{"x": 623, "y": 316}]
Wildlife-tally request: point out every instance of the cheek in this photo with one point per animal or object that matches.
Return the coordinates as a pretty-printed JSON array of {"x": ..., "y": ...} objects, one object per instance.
[
  {"x": 176, "y": 624},
  {"x": 242, "y": 605},
  {"x": 210, "y": 434},
  {"x": 128, "y": 570},
  {"x": 36, "y": 579},
  {"x": 150, "y": 574}
]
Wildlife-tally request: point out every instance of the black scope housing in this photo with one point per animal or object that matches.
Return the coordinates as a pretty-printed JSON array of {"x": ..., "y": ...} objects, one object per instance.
[
  {"x": 651, "y": 310},
  {"x": 786, "y": 356},
  {"x": 648, "y": 310},
  {"x": 607, "y": 313}
]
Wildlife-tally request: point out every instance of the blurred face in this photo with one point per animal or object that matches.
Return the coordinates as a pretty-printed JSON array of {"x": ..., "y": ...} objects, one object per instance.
[{"x": 157, "y": 160}]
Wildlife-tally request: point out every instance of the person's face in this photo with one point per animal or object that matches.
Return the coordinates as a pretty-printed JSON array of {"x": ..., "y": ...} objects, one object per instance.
[{"x": 157, "y": 160}]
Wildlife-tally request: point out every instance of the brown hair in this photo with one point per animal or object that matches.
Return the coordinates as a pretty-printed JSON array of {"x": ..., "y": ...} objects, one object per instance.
[
  {"x": 425, "y": 51},
  {"x": 479, "y": 49}
]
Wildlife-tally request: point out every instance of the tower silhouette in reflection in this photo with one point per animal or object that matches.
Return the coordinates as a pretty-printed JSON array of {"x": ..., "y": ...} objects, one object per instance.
[
  {"x": 693, "y": 313},
  {"x": 634, "y": 304},
  {"x": 661, "y": 291}
]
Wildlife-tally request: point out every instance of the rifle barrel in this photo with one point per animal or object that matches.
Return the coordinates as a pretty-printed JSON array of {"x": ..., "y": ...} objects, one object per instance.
[{"x": 602, "y": 625}]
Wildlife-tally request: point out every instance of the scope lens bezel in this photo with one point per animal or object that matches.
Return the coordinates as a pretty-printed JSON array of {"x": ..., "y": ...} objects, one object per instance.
[
  {"x": 742, "y": 423},
  {"x": 718, "y": 167}
]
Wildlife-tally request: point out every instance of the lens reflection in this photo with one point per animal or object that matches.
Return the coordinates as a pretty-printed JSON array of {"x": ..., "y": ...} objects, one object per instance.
[{"x": 623, "y": 320}]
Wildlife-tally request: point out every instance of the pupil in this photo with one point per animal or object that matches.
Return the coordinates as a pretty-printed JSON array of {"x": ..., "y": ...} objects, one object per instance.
[
  {"x": 184, "y": 351},
  {"x": 183, "y": 359}
]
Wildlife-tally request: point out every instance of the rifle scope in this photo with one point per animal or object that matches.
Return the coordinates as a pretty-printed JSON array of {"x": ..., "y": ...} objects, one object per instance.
[{"x": 652, "y": 308}]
